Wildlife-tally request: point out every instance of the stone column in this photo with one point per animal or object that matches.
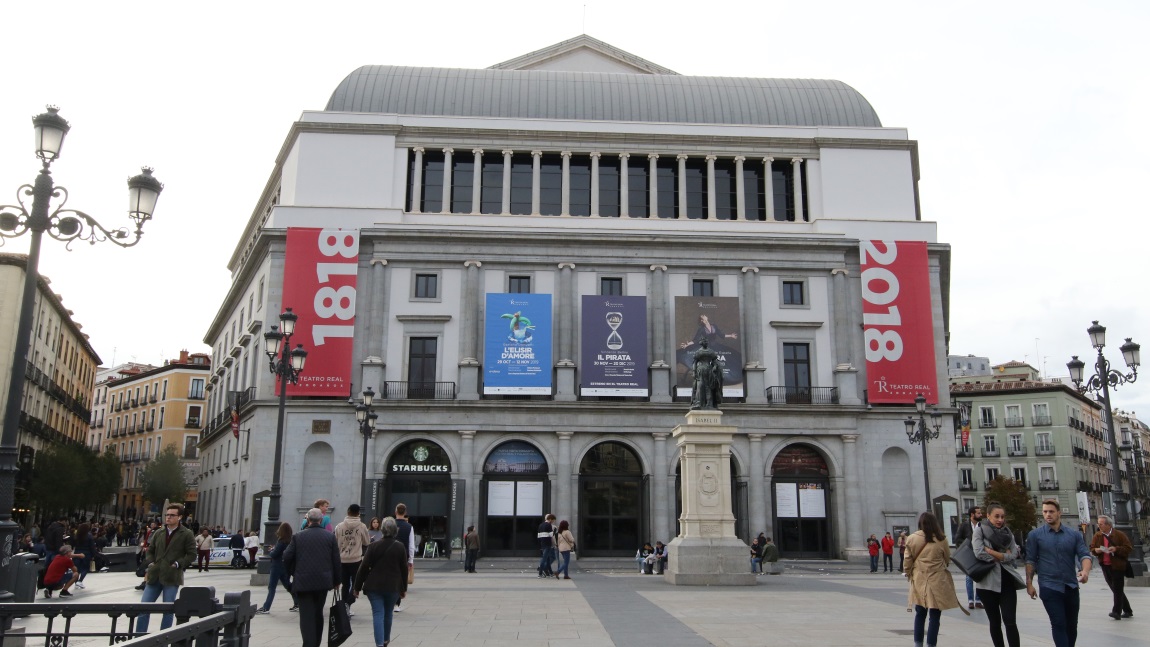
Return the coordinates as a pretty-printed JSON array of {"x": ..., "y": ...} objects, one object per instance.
[
  {"x": 564, "y": 476},
  {"x": 467, "y": 473},
  {"x": 417, "y": 181},
  {"x": 854, "y": 544},
  {"x": 797, "y": 166},
  {"x": 469, "y": 333},
  {"x": 661, "y": 526},
  {"x": 594, "y": 184},
  {"x": 624, "y": 186},
  {"x": 711, "y": 215},
  {"x": 565, "y": 367},
  {"x": 535, "y": 162},
  {"x": 660, "y": 370},
  {"x": 653, "y": 186},
  {"x": 756, "y": 387},
  {"x": 565, "y": 191},
  {"x": 740, "y": 197},
  {"x": 769, "y": 187},
  {"x": 477, "y": 181},
  {"x": 846, "y": 375},
  {"x": 506, "y": 182},
  {"x": 756, "y": 485},
  {"x": 372, "y": 369},
  {"x": 446, "y": 207},
  {"x": 682, "y": 190}
]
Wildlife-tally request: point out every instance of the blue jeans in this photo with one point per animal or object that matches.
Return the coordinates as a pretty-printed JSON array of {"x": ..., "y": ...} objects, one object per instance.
[
  {"x": 971, "y": 592},
  {"x": 1062, "y": 606},
  {"x": 920, "y": 613},
  {"x": 874, "y": 563},
  {"x": 756, "y": 565},
  {"x": 382, "y": 604},
  {"x": 151, "y": 594},
  {"x": 564, "y": 563},
  {"x": 545, "y": 561},
  {"x": 276, "y": 576}
]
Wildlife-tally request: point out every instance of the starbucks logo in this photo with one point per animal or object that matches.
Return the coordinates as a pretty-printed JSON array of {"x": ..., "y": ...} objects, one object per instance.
[{"x": 420, "y": 453}]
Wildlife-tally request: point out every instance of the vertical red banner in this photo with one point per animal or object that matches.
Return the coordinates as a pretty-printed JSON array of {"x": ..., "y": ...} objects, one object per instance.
[
  {"x": 898, "y": 329},
  {"x": 320, "y": 270}
]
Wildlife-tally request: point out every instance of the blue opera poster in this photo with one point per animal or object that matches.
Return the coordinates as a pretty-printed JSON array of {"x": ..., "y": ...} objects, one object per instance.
[
  {"x": 614, "y": 342},
  {"x": 517, "y": 348}
]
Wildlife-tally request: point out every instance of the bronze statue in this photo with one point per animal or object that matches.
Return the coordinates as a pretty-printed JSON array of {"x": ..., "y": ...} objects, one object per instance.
[{"x": 707, "y": 381}]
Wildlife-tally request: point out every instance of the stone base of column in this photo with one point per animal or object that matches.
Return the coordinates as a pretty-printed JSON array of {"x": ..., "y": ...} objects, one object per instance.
[
  {"x": 722, "y": 561},
  {"x": 846, "y": 379},
  {"x": 660, "y": 382},
  {"x": 565, "y": 383},
  {"x": 468, "y": 382},
  {"x": 856, "y": 554},
  {"x": 756, "y": 386}
]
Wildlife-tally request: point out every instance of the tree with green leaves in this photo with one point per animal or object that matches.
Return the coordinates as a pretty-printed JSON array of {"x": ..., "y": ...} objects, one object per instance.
[
  {"x": 163, "y": 479},
  {"x": 1015, "y": 499},
  {"x": 69, "y": 477}
]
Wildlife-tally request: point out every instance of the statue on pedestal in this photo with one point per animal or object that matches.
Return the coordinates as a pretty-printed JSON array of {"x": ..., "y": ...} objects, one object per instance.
[{"x": 707, "y": 378}]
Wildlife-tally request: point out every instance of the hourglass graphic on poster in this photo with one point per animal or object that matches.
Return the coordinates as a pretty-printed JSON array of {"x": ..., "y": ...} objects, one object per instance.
[{"x": 613, "y": 359}]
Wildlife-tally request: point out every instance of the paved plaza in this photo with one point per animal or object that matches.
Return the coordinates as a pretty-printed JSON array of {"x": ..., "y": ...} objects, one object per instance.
[{"x": 609, "y": 603}]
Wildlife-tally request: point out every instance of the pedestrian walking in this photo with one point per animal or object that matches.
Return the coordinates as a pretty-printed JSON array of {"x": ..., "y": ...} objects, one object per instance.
[
  {"x": 471, "y": 548},
  {"x": 277, "y": 574},
  {"x": 204, "y": 544},
  {"x": 373, "y": 530},
  {"x": 405, "y": 534},
  {"x": 545, "y": 534},
  {"x": 566, "y": 545},
  {"x": 994, "y": 542},
  {"x": 170, "y": 551},
  {"x": 872, "y": 547},
  {"x": 252, "y": 545},
  {"x": 312, "y": 559},
  {"x": 966, "y": 531},
  {"x": 352, "y": 537},
  {"x": 931, "y": 586},
  {"x": 1113, "y": 548},
  {"x": 887, "y": 553},
  {"x": 901, "y": 549},
  {"x": 1058, "y": 555},
  {"x": 383, "y": 577},
  {"x": 236, "y": 543}
]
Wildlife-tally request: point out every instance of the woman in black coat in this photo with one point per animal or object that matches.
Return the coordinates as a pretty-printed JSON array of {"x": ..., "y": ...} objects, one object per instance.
[{"x": 383, "y": 576}]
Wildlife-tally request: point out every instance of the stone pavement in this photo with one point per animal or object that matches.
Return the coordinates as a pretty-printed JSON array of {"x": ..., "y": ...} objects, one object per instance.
[{"x": 608, "y": 603}]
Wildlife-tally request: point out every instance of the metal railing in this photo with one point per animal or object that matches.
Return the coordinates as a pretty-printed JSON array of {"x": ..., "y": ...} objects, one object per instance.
[
  {"x": 1019, "y": 450},
  {"x": 990, "y": 453},
  {"x": 1048, "y": 485},
  {"x": 1014, "y": 421},
  {"x": 986, "y": 424},
  {"x": 1040, "y": 421},
  {"x": 201, "y": 620},
  {"x": 419, "y": 390},
  {"x": 964, "y": 452},
  {"x": 1044, "y": 450},
  {"x": 802, "y": 395}
]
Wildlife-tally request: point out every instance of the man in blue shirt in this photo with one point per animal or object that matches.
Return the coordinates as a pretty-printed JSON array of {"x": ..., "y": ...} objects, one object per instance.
[{"x": 1059, "y": 557}]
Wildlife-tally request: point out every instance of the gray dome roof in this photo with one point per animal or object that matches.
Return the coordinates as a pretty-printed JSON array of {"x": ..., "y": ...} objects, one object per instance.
[{"x": 593, "y": 96}]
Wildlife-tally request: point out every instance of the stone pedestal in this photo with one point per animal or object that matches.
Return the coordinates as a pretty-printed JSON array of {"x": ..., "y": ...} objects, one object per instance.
[
  {"x": 707, "y": 553},
  {"x": 468, "y": 380}
]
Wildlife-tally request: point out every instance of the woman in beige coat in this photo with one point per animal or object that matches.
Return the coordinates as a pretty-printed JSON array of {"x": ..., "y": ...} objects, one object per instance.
[{"x": 931, "y": 586}]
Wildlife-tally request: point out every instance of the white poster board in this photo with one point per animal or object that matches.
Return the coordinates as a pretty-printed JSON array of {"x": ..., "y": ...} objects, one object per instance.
[
  {"x": 786, "y": 500},
  {"x": 501, "y": 498},
  {"x": 529, "y": 499},
  {"x": 812, "y": 501}
]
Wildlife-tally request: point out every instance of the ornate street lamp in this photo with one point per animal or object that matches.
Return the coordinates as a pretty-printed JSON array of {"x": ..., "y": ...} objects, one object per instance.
[
  {"x": 918, "y": 431},
  {"x": 287, "y": 364},
  {"x": 1104, "y": 379},
  {"x": 366, "y": 418},
  {"x": 66, "y": 225}
]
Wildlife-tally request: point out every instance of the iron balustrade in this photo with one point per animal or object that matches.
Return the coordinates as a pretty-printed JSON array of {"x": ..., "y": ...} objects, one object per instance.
[
  {"x": 1019, "y": 450},
  {"x": 990, "y": 453},
  {"x": 987, "y": 424},
  {"x": 1040, "y": 421},
  {"x": 802, "y": 395},
  {"x": 966, "y": 487},
  {"x": 1044, "y": 450},
  {"x": 418, "y": 390},
  {"x": 967, "y": 452},
  {"x": 1014, "y": 421},
  {"x": 1048, "y": 485}
]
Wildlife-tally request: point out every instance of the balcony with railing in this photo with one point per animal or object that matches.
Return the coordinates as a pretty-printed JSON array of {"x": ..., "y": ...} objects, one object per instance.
[
  {"x": 1014, "y": 421},
  {"x": 1016, "y": 450},
  {"x": 1048, "y": 484},
  {"x": 419, "y": 390},
  {"x": 1085, "y": 486},
  {"x": 192, "y": 423},
  {"x": 967, "y": 487},
  {"x": 991, "y": 453},
  {"x": 1044, "y": 450},
  {"x": 1040, "y": 421},
  {"x": 964, "y": 452},
  {"x": 802, "y": 395},
  {"x": 987, "y": 423}
]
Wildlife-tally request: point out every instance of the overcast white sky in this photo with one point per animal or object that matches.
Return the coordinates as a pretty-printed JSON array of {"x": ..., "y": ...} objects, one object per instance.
[{"x": 1031, "y": 119}]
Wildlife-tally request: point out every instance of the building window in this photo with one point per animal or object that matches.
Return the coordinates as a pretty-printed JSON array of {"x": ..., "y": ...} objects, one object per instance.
[
  {"x": 609, "y": 188},
  {"x": 1046, "y": 474},
  {"x": 966, "y": 477},
  {"x": 579, "y": 185},
  {"x": 1041, "y": 413},
  {"x": 462, "y": 179},
  {"x": 521, "y": 174},
  {"x": 426, "y": 286},
  {"x": 164, "y": 393},
  {"x": 491, "y": 177},
  {"x": 702, "y": 287},
  {"x": 794, "y": 293},
  {"x": 197, "y": 390},
  {"x": 986, "y": 416},
  {"x": 638, "y": 189},
  {"x": 667, "y": 187},
  {"x": 1042, "y": 443},
  {"x": 193, "y": 416},
  {"x": 782, "y": 181},
  {"x": 260, "y": 293},
  {"x": 431, "y": 193},
  {"x": 991, "y": 474},
  {"x": 519, "y": 284},
  {"x": 1019, "y": 474},
  {"x": 611, "y": 286},
  {"x": 696, "y": 181},
  {"x": 1013, "y": 415},
  {"x": 421, "y": 361},
  {"x": 797, "y": 371},
  {"x": 726, "y": 199},
  {"x": 550, "y": 185},
  {"x": 990, "y": 445}
]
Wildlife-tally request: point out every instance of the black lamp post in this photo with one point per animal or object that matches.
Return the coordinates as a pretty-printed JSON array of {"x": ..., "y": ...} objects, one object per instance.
[
  {"x": 287, "y": 364},
  {"x": 366, "y": 418},
  {"x": 1102, "y": 381},
  {"x": 65, "y": 225},
  {"x": 918, "y": 431}
]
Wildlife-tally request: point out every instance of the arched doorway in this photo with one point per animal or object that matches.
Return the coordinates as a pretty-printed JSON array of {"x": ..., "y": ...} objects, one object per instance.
[
  {"x": 801, "y": 483},
  {"x": 514, "y": 496},
  {"x": 739, "y": 502},
  {"x": 419, "y": 476},
  {"x": 612, "y": 501}
]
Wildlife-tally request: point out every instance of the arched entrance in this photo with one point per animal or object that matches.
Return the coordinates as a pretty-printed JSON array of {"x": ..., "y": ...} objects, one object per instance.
[
  {"x": 419, "y": 475},
  {"x": 739, "y": 502},
  {"x": 513, "y": 497},
  {"x": 801, "y": 482},
  {"x": 612, "y": 501}
]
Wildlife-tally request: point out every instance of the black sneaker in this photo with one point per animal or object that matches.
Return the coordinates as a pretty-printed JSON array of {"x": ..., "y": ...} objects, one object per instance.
[
  {"x": 48, "y": 593},
  {"x": 65, "y": 594}
]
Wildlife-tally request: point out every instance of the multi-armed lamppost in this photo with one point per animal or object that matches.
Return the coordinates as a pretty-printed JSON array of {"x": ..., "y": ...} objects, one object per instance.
[
  {"x": 1103, "y": 380},
  {"x": 366, "y": 418},
  {"x": 917, "y": 431},
  {"x": 287, "y": 364},
  {"x": 65, "y": 225}
]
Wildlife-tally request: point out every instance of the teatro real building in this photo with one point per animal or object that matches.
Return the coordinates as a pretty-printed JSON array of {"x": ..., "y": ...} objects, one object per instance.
[{"x": 520, "y": 261}]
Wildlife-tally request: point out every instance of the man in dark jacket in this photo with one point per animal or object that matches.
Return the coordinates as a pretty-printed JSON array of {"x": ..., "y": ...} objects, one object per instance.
[
  {"x": 236, "y": 543},
  {"x": 312, "y": 558},
  {"x": 966, "y": 531},
  {"x": 545, "y": 535},
  {"x": 171, "y": 549}
]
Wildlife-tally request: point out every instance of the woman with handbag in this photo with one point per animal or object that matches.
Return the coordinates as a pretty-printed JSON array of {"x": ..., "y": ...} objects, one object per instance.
[
  {"x": 383, "y": 576},
  {"x": 931, "y": 586},
  {"x": 993, "y": 541},
  {"x": 566, "y": 545}
]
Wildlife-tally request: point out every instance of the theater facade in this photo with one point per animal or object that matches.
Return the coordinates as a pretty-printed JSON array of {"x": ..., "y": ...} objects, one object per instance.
[{"x": 520, "y": 261}]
